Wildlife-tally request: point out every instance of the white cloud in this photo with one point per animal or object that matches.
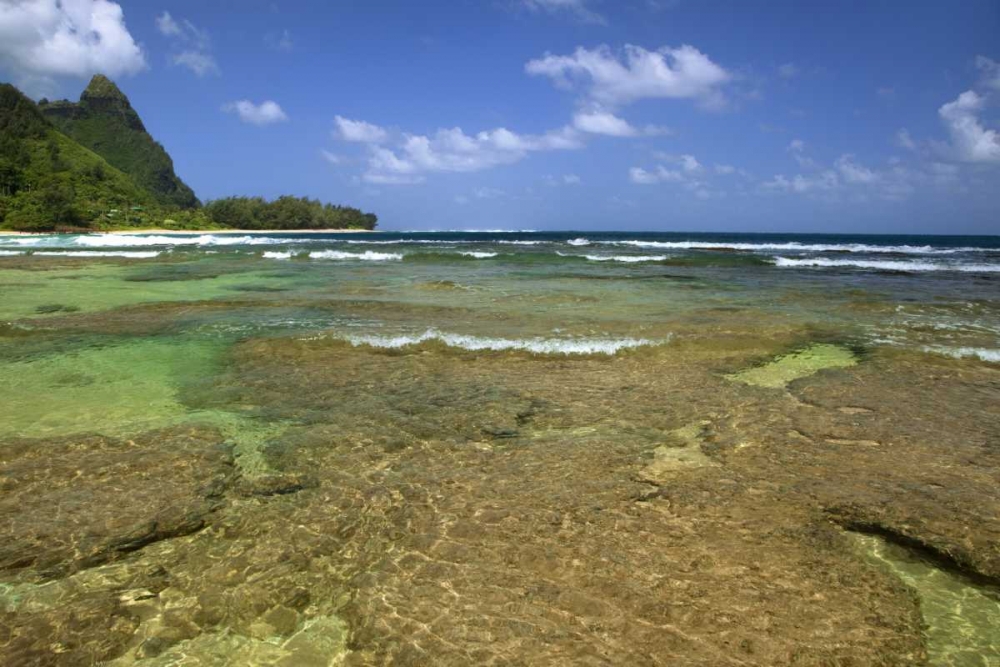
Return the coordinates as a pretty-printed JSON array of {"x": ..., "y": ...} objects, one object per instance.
[
  {"x": 725, "y": 169},
  {"x": 690, "y": 164},
  {"x": 166, "y": 24},
  {"x": 991, "y": 72},
  {"x": 659, "y": 175},
  {"x": 488, "y": 193},
  {"x": 825, "y": 181},
  {"x": 199, "y": 62},
  {"x": 571, "y": 179},
  {"x": 451, "y": 150},
  {"x": 904, "y": 140},
  {"x": 673, "y": 73},
  {"x": 852, "y": 172},
  {"x": 578, "y": 9},
  {"x": 191, "y": 45},
  {"x": 265, "y": 113},
  {"x": 797, "y": 145},
  {"x": 788, "y": 71},
  {"x": 603, "y": 122},
  {"x": 331, "y": 157},
  {"x": 40, "y": 39},
  {"x": 359, "y": 130},
  {"x": 971, "y": 141}
]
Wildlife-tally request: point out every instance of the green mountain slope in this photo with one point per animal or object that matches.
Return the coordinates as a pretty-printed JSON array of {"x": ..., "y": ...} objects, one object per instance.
[
  {"x": 105, "y": 122},
  {"x": 48, "y": 181}
]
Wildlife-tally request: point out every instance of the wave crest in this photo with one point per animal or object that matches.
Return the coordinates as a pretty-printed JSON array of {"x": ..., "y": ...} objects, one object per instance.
[{"x": 563, "y": 346}]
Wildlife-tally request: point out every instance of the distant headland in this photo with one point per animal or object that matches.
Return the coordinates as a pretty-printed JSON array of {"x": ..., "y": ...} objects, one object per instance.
[{"x": 92, "y": 166}]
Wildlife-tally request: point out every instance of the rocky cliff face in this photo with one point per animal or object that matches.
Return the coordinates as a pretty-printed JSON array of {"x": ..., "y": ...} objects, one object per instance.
[{"x": 105, "y": 122}]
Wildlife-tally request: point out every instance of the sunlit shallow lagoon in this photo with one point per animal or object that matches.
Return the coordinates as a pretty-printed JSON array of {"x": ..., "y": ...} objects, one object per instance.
[{"x": 517, "y": 448}]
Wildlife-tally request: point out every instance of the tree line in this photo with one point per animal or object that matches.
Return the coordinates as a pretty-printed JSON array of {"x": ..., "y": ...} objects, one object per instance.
[{"x": 286, "y": 212}]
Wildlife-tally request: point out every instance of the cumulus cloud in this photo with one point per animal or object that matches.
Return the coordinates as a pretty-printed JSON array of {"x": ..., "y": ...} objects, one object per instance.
[
  {"x": 267, "y": 112},
  {"x": 852, "y": 172},
  {"x": 41, "y": 39},
  {"x": 606, "y": 123},
  {"x": 571, "y": 179},
  {"x": 610, "y": 80},
  {"x": 725, "y": 169},
  {"x": 603, "y": 122},
  {"x": 359, "y": 130},
  {"x": 447, "y": 150},
  {"x": 658, "y": 175},
  {"x": 191, "y": 45},
  {"x": 578, "y": 9},
  {"x": 971, "y": 141},
  {"x": 848, "y": 177},
  {"x": 688, "y": 177}
]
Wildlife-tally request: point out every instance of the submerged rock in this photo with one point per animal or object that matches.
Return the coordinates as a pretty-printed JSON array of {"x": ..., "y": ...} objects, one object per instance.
[{"x": 782, "y": 370}]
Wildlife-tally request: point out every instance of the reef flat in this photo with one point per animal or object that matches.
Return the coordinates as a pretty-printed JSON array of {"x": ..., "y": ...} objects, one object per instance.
[{"x": 495, "y": 449}]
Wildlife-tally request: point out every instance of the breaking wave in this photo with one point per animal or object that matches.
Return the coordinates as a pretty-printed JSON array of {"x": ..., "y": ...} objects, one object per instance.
[
  {"x": 983, "y": 353},
  {"x": 367, "y": 255},
  {"x": 884, "y": 265},
  {"x": 564, "y": 346},
  {"x": 478, "y": 255},
  {"x": 134, "y": 254},
  {"x": 793, "y": 246}
]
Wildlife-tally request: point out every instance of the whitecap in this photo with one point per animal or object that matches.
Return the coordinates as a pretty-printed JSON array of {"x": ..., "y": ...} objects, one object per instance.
[
  {"x": 520, "y": 242},
  {"x": 479, "y": 255},
  {"x": 273, "y": 254},
  {"x": 367, "y": 255},
  {"x": 133, "y": 254},
  {"x": 631, "y": 259},
  {"x": 794, "y": 246},
  {"x": 579, "y": 241},
  {"x": 564, "y": 346},
  {"x": 983, "y": 353},
  {"x": 130, "y": 240},
  {"x": 884, "y": 265},
  {"x": 8, "y": 253}
]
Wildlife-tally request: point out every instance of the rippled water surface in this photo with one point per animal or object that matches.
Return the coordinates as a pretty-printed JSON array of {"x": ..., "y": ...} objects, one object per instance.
[{"x": 497, "y": 448}]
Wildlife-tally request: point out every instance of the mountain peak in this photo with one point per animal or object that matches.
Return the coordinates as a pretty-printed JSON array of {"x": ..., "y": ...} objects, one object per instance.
[{"x": 102, "y": 87}]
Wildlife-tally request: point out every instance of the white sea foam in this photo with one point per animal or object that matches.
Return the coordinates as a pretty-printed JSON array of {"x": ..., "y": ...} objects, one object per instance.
[
  {"x": 274, "y": 254},
  {"x": 566, "y": 346},
  {"x": 407, "y": 241},
  {"x": 133, "y": 254},
  {"x": 579, "y": 241},
  {"x": 521, "y": 242},
  {"x": 793, "y": 246},
  {"x": 885, "y": 265},
  {"x": 131, "y": 240},
  {"x": 984, "y": 353},
  {"x": 631, "y": 259},
  {"x": 479, "y": 255},
  {"x": 367, "y": 255},
  {"x": 8, "y": 253}
]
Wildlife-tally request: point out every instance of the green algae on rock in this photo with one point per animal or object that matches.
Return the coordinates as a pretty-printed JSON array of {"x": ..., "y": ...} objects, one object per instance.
[
  {"x": 961, "y": 618},
  {"x": 784, "y": 369}
]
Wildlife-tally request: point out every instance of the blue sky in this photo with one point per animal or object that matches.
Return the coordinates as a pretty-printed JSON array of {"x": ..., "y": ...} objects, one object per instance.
[{"x": 557, "y": 114}]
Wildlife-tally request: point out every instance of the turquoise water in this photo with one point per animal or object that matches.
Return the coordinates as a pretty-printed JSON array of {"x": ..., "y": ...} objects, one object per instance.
[{"x": 431, "y": 420}]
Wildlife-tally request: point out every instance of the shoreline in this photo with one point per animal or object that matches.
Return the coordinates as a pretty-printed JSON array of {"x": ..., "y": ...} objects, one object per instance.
[{"x": 156, "y": 230}]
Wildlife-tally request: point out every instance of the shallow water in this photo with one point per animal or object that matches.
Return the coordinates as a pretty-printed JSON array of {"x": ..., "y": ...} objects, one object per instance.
[{"x": 472, "y": 448}]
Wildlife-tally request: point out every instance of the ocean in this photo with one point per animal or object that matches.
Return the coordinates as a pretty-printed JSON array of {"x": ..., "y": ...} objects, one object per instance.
[{"x": 464, "y": 447}]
